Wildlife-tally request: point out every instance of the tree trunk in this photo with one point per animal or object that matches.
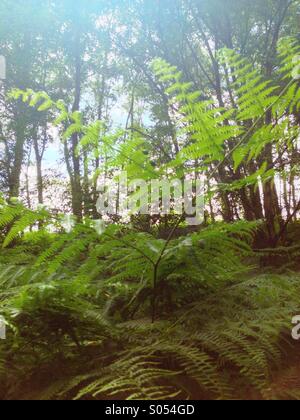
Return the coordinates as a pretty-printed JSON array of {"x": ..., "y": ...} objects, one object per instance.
[
  {"x": 76, "y": 184},
  {"x": 39, "y": 173},
  {"x": 14, "y": 178}
]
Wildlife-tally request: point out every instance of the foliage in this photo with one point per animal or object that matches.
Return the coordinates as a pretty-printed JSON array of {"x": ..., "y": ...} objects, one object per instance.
[
  {"x": 230, "y": 334},
  {"x": 149, "y": 307},
  {"x": 84, "y": 313}
]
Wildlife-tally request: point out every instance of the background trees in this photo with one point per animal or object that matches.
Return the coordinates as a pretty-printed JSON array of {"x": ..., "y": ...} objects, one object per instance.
[
  {"x": 148, "y": 307},
  {"x": 96, "y": 57}
]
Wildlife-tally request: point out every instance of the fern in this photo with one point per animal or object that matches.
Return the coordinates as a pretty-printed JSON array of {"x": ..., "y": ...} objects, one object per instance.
[
  {"x": 19, "y": 219},
  {"x": 234, "y": 333},
  {"x": 202, "y": 121},
  {"x": 118, "y": 313},
  {"x": 199, "y": 355}
]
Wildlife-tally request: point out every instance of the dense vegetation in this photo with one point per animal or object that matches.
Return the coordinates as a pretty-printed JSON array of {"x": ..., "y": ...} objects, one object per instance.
[{"x": 146, "y": 306}]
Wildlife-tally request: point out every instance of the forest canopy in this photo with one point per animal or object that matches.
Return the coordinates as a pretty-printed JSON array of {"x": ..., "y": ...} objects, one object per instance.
[{"x": 149, "y": 190}]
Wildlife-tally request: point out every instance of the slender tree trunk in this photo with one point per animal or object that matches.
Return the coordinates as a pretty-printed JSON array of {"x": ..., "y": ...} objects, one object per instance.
[
  {"x": 76, "y": 184},
  {"x": 39, "y": 173},
  {"x": 86, "y": 189},
  {"x": 14, "y": 178}
]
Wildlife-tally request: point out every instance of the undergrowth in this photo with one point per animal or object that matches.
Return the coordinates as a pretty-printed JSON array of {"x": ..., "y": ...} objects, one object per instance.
[{"x": 78, "y": 309}]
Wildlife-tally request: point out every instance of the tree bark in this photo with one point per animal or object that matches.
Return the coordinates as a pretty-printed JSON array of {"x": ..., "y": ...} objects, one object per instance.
[{"x": 76, "y": 184}]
